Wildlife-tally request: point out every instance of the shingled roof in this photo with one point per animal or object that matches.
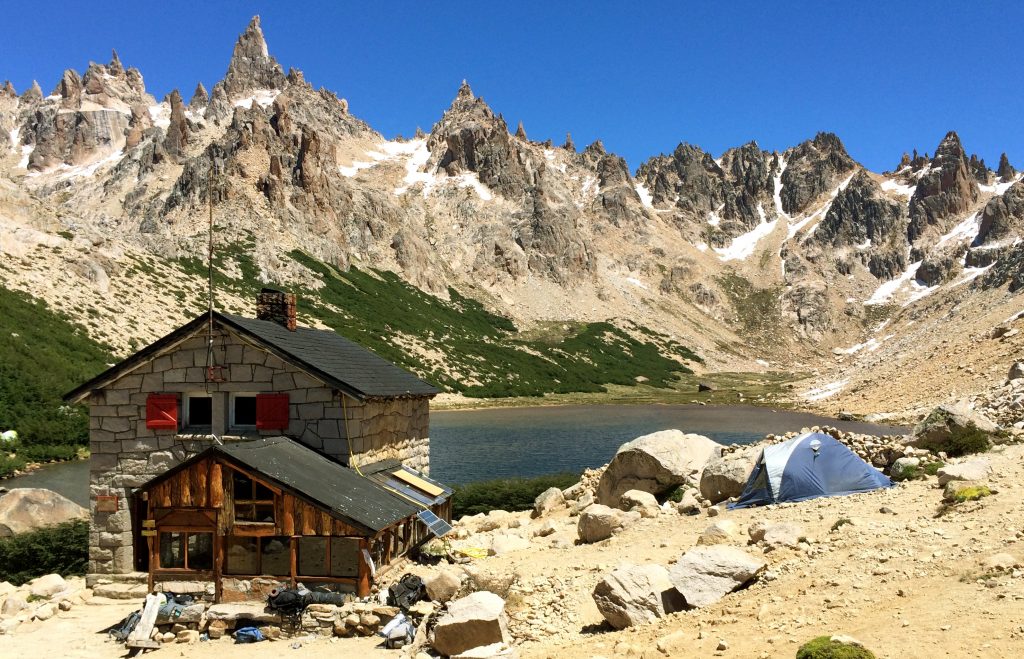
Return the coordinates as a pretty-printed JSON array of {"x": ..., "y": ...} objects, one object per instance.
[
  {"x": 315, "y": 477},
  {"x": 332, "y": 358}
]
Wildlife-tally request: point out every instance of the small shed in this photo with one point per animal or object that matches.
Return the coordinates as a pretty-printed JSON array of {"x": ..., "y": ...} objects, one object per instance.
[{"x": 276, "y": 511}]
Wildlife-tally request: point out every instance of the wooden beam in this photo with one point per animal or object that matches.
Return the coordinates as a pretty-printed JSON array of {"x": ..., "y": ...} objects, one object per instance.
[
  {"x": 216, "y": 486},
  {"x": 218, "y": 563},
  {"x": 288, "y": 514},
  {"x": 363, "y": 585},
  {"x": 294, "y": 558}
]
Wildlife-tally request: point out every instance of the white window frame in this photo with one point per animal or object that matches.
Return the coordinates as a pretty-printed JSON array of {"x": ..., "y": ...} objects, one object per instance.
[
  {"x": 186, "y": 409},
  {"x": 231, "y": 410}
]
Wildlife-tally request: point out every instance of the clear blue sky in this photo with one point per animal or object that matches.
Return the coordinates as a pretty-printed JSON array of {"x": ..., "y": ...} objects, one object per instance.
[{"x": 886, "y": 77}]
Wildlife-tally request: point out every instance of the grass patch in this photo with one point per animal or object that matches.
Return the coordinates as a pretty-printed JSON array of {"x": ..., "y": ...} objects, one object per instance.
[
  {"x": 62, "y": 549},
  {"x": 758, "y": 310},
  {"x": 841, "y": 522},
  {"x": 919, "y": 472},
  {"x": 824, "y": 647},
  {"x": 42, "y": 356},
  {"x": 462, "y": 347},
  {"x": 511, "y": 494}
]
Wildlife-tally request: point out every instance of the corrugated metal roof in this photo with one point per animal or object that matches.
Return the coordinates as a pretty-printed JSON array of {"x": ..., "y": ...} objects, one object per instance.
[
  {"x": 326, "y": 482},
  {"x": 335, "y": 356}
]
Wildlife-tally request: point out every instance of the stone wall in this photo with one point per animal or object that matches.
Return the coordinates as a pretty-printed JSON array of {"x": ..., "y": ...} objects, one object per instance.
[{"x": 126, "y": 454}]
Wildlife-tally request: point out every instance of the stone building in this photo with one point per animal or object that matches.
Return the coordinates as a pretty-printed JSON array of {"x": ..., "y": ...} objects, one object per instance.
[{"x": 223, "y": 379}]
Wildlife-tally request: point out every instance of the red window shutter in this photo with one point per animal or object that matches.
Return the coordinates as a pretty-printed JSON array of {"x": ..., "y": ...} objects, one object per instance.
[
  {"x": 272, "y": 411},
  {"x": 162, "y": 412}
]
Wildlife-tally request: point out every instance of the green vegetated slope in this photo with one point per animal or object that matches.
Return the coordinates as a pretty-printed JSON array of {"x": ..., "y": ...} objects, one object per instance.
[
  {"x": 42, "y": 356},
  {"x": 462, "y": 347}
]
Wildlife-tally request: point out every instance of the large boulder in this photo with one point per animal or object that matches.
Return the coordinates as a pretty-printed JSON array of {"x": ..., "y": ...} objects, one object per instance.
[
  {"x": 973, "y": 470},
  {"x": 935, "y": 431},
  {"x": 655, "y": 463},
  {"x": 47, "y": 585},
  {"x": 27, "y": 509},
  {"x": 598, "y": 523},
  {"x": 703, "y": 575},
  {"x": 473, "y": 621},
  {"x": 636, "y": 594},
  {"x": 725, "y": 476}
]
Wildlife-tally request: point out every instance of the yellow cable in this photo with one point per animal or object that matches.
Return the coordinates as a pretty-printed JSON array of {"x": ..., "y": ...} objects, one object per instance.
[{"x": 348, "y": 435}]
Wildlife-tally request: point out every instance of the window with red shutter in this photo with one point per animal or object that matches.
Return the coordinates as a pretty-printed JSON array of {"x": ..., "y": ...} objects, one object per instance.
[
  {"x": 162, "y": 412},
  {"x": 272, "y": 411}
]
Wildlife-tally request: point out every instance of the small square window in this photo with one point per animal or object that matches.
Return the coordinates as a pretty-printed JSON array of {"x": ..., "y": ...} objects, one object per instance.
[
  {"x": 243, "y": 410},
  {"x": 198, "y": 411}
]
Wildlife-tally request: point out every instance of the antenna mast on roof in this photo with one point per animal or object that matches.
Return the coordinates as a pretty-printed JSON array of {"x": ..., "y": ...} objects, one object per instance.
[{"x": 214, "y": 373}]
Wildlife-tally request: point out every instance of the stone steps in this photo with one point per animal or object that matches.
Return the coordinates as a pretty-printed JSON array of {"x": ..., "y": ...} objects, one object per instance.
[{"x": 120, "y": 591}]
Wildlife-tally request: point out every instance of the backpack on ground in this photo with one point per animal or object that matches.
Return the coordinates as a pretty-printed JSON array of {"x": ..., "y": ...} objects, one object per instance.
[
  {"x": 286, "y": 601},
  {"x": 406, "y": 591},
  {"x": 123, "y": 629},
  {"x": 248, "y": 635}
]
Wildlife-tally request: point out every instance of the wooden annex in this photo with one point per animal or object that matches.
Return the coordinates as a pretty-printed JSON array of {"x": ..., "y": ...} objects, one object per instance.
[{"x": 272, "y": 508}]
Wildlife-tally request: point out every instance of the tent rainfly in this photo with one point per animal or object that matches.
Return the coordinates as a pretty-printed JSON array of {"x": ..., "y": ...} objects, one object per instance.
[{"x": 806, "y": 467}]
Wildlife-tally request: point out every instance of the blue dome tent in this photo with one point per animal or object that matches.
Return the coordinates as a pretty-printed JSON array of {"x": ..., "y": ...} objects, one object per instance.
[{"x": 806, "y": 467}]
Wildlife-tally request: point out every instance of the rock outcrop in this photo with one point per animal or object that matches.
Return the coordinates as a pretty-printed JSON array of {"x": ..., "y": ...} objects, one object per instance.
[
  {"x": 812, "y": 169},
  {"x": 1003, "y": 216},
  {"x": 1006, "y": 172},
  {"x": 726, "y": 475},
  {"x": 945, "y": 191},
  {"x": 862, "y": 219}
]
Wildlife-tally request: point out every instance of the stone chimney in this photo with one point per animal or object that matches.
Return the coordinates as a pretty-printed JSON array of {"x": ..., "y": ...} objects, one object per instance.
[{"x": 276, "y": 306}]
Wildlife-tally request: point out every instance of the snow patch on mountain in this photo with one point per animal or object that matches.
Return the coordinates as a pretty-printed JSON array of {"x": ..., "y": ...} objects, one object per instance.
[
  {"x": 901, "y": 189},
  {"x": 645, "y": 195},
  {"x": 262, "y": 97},
  {"x": 744, "y": 245}
]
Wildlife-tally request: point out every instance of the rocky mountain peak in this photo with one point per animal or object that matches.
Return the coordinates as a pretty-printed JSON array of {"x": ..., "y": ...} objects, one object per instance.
[
  {"x": 595, "y": 149},
  {"x": 945, "y": 191},
  {"x": 1006, "y": 170},
  {"x": 33, "y": 93},
  {"x": 251, "y": 69},
  {"x": 465, "y": 91},
  {"x": 521, "y": 132},
  {"x": 950, "y": 148},
  {"x": 115, "y": 67},
  {"x": 176, "y": 139},
  {"x": 70, "y": 86},
  {"x": 8, "y": 90},
  {"x": 200, "y": 98},
  {"x": 813, "y": 168},
  {"x": 569, "y": 145}
]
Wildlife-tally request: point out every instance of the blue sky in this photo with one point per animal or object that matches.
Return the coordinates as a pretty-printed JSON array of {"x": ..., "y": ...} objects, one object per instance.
[{"x": 642, "y": 77}]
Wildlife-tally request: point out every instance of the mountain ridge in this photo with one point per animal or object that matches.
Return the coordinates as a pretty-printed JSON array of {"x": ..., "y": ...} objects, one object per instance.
[{"x": 540, "y": 233}]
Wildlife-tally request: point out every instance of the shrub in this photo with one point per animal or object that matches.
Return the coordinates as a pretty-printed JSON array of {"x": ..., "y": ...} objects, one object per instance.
[
  {"x": 917, "y": 473},
  {"x": 61, "y": 549},
  {"x": 969, "y": 439},
  {"x": 511, "y": 494},
  {"x": 824, "y": 647}
]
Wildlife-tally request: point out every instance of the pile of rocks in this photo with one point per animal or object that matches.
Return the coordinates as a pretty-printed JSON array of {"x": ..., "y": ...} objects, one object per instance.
[
  {"x": 38, "y": 600},
  {"x": 1005, "y": 404}
]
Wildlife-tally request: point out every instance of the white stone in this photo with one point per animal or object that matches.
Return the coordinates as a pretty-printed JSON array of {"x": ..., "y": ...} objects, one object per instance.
[
  {"x": 704, "y": 575},
  {"x": 471, "y": 622},
  {"x": 636, "y": 594}
]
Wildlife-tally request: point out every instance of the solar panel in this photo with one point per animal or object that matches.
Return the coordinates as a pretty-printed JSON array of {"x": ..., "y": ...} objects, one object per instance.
[{"x": 437, "y": 526}]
